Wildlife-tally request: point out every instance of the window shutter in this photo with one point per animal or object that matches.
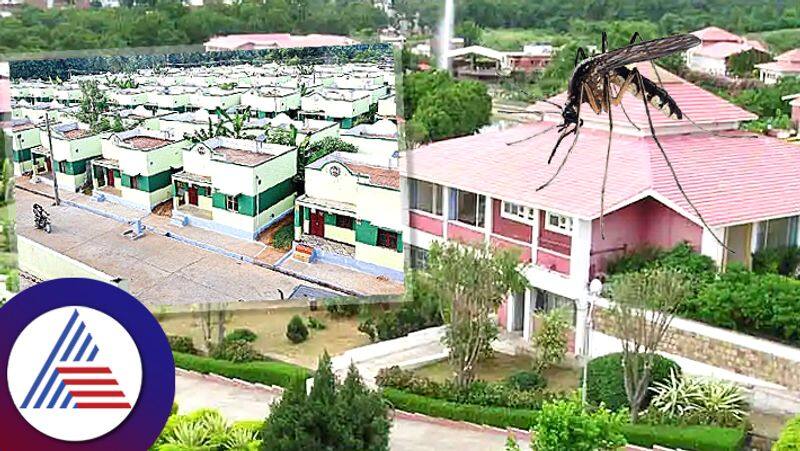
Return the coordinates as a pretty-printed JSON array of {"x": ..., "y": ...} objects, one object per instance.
[{"x": 218, "y": 200}]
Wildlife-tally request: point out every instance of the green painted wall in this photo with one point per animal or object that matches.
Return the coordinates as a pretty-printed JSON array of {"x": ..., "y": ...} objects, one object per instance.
[
  {"x": 218, "y": 200},
  {"x": 275, "y": 194},
  {"x": 151, "y": 183},
  {"x": 298, "y": 217},
  {"x": 72, "y": 167},
  {"x": 21, "y": 155},
  {"x": 306, "y": 213},
  {"x": 330, "y": 218},
  {"x": 366, "y": 233}
]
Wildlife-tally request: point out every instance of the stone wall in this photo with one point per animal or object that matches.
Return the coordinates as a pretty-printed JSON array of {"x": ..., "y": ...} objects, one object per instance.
[{"x": 742, "y": 354}]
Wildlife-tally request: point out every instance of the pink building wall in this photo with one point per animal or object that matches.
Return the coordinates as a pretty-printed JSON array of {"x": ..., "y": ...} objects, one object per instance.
[
  {"x": 425, "y": 223},
  {"x": 646, "y": 222},
  {"x": 509, "y": 228},
  {"x": 525, "y": 251},
  {"x": 553, "y": 262},
  {"x": 556, "y": 242},
  {"x": 5, "y": 96},
  {"x": 796, "y": 115},
  {"x": 464, "y": 234}
]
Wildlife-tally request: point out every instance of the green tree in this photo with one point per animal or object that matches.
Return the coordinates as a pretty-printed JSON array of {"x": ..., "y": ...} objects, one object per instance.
[
  {"x": 644, "y": 305},
  {"x": 471, "y": 283},
  {"x": 566, "y": 424},
  {"x": 332, "y": 417},
  {"x": 94, "y": 104},
  {"x": 470, "y": 31}
]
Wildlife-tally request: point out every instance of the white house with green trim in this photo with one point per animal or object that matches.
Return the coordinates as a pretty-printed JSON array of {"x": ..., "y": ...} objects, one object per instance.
[
  {"x": 173, "y": 98},
  {"x": 341, "y": 105},
  {"x": 238, "y": 187},
  {"x": 211, "y": 99},
  {"x": 68, "y": 93},
  {"x": 136, "y": 167},
  {"x": 36, "y": 112},
  {"x": 24, "y": 137},
  {"x": 379, "y": 138},
  {"x": 387, "y": 107},
  {"x": 187, "y": 123},
  {"x": 128, "y": 98},
  {"x": 74, "y": 146},
  {"x": 272, "y": 100},
  {"x": 313, "y": 129},
  {"x": 351, "y": 213}
]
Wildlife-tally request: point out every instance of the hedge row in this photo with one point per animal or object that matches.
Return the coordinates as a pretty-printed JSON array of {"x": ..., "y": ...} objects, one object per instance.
[
  {"x": 697, "y": 438},
  {"x": 493, "y": 416},
  {"x": 262, "y": 372}
]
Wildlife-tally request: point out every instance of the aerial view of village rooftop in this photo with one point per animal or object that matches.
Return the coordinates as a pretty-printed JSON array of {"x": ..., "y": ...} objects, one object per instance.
[{"x": 426, "y": 224}]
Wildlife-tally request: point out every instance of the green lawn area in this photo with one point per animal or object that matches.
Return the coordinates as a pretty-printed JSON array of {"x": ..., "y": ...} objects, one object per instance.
[
  {"x": 269, "y": 324},
  {"x": 502, "y": 365},
  {"x": 515, "y": 38}
]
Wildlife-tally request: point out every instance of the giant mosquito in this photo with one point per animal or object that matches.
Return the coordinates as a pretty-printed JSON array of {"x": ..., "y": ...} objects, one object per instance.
[{"x": 592, "y": 82}]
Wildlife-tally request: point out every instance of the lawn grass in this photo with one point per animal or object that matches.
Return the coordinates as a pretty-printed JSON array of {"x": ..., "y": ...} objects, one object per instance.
[
  {"x": 511, "y": 39},
  {"x": 779, "y": 41},
  {"x": 559, "y": 379},
  {"x": 340, "y": 334}
]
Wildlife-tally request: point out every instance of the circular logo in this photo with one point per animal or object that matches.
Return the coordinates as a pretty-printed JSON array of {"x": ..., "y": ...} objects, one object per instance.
[
  {"x": 74, "y": 373},
  {"x": 86, "y": 366}
]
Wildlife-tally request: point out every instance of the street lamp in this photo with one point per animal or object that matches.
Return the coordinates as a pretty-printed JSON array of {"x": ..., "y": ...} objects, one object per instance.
[{"x": 595, "y": 287}]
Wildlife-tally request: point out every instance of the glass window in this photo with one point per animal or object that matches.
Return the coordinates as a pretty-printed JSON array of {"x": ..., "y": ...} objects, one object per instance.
[
  {"x": 518, "y": 212},
  {"x": 546, "y": 301},
  {"x": 232, "y": 203},
  {"x": 467, "y": 207},
  {"x": 345, "y": 222},
  {"x": 417, "y": 257},
  {"x": 558, "y": 223},
  {"x": 425, "y": 196},
  {"x": 387, "y": 239},
  {"x": 777, "y": 233}
]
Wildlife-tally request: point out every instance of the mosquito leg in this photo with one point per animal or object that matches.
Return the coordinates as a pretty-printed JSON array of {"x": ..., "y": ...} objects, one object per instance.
[
  {"x": 558, "y": 143},
  {"x": 607, "y": 101},
  {"x": 592, "y": 99},
  {"x": 511, "y": 143},
  {"x": 640, "y": 82},
  {"x": 572, "y": 146},
  {"x": 604, "y": 42},
  {"x": 580, "y": 55}
]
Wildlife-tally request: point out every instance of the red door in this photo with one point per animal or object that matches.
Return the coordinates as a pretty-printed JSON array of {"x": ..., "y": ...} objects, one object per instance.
[
  {"x": 317, "y": 227},
  {"x": 110, "y": 177},
  {"x": 193, "y": 195},
  {"x": 49, "y": 165}
]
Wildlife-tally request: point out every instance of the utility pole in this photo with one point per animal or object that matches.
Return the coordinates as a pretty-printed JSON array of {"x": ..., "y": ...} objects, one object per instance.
[{"x": 52, "y": 161}]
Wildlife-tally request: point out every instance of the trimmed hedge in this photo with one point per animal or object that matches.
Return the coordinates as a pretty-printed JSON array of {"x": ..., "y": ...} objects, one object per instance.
[
  {"x": 493, "y": 416},
  {"x": 697, "y": 438},
  {"x": 262, "y": 372},
  {"x": 606, "y": 382}
]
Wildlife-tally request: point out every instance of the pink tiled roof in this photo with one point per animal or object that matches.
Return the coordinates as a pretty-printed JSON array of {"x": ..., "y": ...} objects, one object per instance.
[
  {"x": 277, "y": 40},
  {"x": 700, "y": 105},
  {"x": 781, "y": 66},
  {"x": 730, "y": 180},
  {"x": 716, "y": 34},
  {"x": 791, "y": 55}
]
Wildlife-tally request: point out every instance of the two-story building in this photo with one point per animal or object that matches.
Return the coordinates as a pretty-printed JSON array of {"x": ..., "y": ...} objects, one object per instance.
[
  {"x": 786, "y": 64},
  {"x": 137, "y": 165},
  {"x": 24, "y": 137},
  {"x": 483, "y": 188},
  {"x": 350, "y": 213},
  {"x": 234, "y": 186},
  {"x": 74, "y": 146}
]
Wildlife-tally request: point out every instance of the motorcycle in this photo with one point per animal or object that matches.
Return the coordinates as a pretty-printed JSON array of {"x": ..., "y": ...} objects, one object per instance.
[{"x": 41, "y": 218}]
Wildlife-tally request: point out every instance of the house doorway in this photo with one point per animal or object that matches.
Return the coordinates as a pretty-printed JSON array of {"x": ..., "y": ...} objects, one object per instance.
[
  {"x": 738, "y": 240},
  {"x": 110, "y": 177},
  {"x": 317, "y": 223},
  {"x": 193, "y": 195},
  {"x": 518, "y": 311}
]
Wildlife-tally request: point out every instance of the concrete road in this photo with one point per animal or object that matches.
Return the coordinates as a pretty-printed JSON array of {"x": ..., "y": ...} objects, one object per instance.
[{"x": 160, "y": 270}]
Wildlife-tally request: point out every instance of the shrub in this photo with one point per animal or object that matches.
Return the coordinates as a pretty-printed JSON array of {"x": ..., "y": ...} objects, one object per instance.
[
  {"x": 283, "y": 237},
  {"x": 331, "y": 417},
  {"x": 296, "y": 330},
  {"x": 315, "y": 324},
  {"x": 606, "y": 382},
  {"x": 489, "y": 394},
  {"x": 550, "y": 340},
  {"x": 790, "y": 437},
  {"x": 342, "y": 307},
  {"x": 501, "y": 417},
  {"x": 526, "y": 380},
  {"x": 777, "y": 260},
  {"x": 697, "y": 438},
  {"x": 699, "y": 401},
  {"x": 182, "y": 344},
  {"x": 238, "y": 351},
  {"x": 760, "y": 304},
  {"x": 261, "y": 372},
  {"x": 174, "y": 409},
  {"x": 12, "y": 281},
  {"x": 242, "y": 335},
  {"x": 566, "y": 424},
  {"x": 698, "y": 267},
  {"x": 205, "y": 429}
]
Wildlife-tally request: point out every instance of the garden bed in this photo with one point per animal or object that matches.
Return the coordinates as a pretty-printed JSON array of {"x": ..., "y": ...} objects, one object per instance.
[
  {"x": 559, "y": 379},
  {"x": 339, "y": 335}
]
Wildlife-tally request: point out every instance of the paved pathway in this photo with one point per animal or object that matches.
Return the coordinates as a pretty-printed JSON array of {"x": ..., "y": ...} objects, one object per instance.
[{"x": 409, "y": 432}]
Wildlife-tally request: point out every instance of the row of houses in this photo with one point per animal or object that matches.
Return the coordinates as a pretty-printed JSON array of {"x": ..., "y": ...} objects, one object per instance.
[
  {"x": 483, "y": 188},
  {"x": 236, "y": 183}
]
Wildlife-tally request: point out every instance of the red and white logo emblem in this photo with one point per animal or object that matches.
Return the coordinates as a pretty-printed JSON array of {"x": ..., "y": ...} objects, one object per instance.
[{"x": 74, "y": 373}]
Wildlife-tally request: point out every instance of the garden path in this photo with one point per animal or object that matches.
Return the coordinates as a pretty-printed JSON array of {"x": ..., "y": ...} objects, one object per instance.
[{"x": 241, "y": 401}]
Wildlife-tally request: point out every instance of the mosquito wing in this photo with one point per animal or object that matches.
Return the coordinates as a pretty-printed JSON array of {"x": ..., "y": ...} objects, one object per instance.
[{"x": 644, "y": 51}]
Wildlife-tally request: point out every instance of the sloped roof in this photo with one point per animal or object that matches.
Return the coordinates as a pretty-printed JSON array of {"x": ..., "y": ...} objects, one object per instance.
[
  {"x": 730, "y": 180},
  {"x": 696, "y": 103},
  {"x": 791, "y": 55},
  {"x": 716, "y": 34}
]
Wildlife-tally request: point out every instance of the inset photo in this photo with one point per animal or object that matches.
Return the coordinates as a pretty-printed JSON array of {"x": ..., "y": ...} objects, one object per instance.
[{"x": 219, "y": 176}]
